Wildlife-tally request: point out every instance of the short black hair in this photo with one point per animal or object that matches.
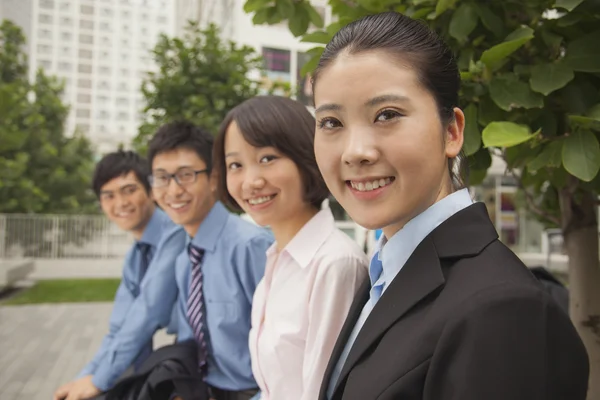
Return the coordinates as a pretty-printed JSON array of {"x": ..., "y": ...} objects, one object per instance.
[
  {"x": 119, "y": 163},
  {"x": 182, "y": 134},
  {"x": 279, "y": 122}
]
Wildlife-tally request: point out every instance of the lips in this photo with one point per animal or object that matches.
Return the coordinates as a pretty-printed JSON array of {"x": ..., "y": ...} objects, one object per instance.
[
  {"x": 369, "y": 185},
  {"x": 260, "y": 200}
]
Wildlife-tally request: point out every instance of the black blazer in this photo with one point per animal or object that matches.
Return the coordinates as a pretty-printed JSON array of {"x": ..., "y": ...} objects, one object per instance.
[{"x": 463, "y": 320}]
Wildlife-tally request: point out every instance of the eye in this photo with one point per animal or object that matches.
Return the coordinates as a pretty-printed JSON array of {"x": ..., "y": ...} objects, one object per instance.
[
  {"x": 387, "y": 115},
  {"x": 329, "y": 123},
  {"x": 233, "y": 166},
  {"x": 267, "y": 159},
  {"x": 129, "y": 189}
]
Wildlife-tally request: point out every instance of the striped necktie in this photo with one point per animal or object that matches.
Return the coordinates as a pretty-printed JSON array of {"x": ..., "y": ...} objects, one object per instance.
[{"x": 195, "y": 303}]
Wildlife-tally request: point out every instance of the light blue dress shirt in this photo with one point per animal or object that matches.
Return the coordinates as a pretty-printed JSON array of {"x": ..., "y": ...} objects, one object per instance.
[
  {"x": 233, "y": 264},
  {"x": 140, "y": 307},
  {"x": 390, "y": 257}
]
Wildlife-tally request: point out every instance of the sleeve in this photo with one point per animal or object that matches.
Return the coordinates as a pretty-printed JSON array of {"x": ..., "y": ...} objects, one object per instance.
[
  {"x": 251, "y": 259},
  {"x": 332, "y": 295},
  {"x": 123, "y": 300},
  {"x": 150, "y": 311},
  {"x": 514, "y": 343}
]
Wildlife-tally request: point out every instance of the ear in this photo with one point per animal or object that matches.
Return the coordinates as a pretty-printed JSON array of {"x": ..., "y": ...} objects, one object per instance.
[{"x": 455, "y": 134}]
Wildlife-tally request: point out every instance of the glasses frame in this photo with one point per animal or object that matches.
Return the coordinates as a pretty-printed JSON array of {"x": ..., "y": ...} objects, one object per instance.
[{"x": 176, "y": 179}]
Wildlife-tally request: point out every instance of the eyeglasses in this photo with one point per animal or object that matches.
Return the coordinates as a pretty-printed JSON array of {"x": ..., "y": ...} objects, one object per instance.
[{"x": 183, "y": 176}]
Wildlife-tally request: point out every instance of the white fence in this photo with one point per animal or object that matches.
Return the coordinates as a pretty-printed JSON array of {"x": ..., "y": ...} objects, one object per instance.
[{"x": 87, "y": 236}]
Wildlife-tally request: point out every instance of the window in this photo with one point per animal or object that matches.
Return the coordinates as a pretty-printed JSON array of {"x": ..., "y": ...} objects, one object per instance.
[
  {"x": 86, "y": 39},
  {"x": 81, "y": 113},
  {"x": 85, "y": 24},
  {"x": 45, "y": 64},
  {"x": 84, "y": 68},
  {"x": 105, "y": 26},
  {"x": 125, "y": 43},
  {"x": 48, "y": 4},
  {"x": 102, "y": 128},
  {"x": 103, "y": 114},
  {"x": 123, "y": 87},
  {"x": 65, "y": 6},
  {"x": 122, "y": 116},
  {"x": 64, "y": 66},
  {"x": 66, "y": 36},
  {"x": 122, "y": 101},
  {"x": 45, "y": 34},
  {"x": 45, "y": 18},
  {"x": 64, "y": 21},
  {"x": 65, "y": 51},
  {"x": 84, "y": 83},
  {"x": 106, "y": 41},
  {"x": 83, "y": 128},
  {"x": 126, "y": 14},
  {"x": 102, "y": 99},
  {"x": 86, "y": 10},
  {"x": 88, "y": 54},
  {"x": 104, "y": 85},
  {"x": 124, "y": 56},
  {"x": 84, "y": 98},
  {"x": 107, "y": 12},
  {"x": 105, "y": 70},
  {"x": 162, "y": 19},
  {"x": 44, "y": 49},
  {"x": 124, "y": 72}
]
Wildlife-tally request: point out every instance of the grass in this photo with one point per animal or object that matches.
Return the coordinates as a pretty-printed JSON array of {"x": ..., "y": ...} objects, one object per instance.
[{"x": 66, "y": 291}]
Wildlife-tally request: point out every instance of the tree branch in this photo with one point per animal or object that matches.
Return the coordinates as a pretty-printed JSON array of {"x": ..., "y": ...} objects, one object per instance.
[{"x": 531, "y": 202}]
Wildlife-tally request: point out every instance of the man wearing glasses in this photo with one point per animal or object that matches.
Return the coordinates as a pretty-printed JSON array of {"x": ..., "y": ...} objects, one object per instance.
[
  {"x": 218, "y": 271},
  {"x": 147, "y": 294}
]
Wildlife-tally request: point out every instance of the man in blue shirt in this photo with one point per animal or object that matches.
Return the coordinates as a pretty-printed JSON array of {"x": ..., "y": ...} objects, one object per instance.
[
  {"x": 146, "y": 297},
  {"x": 225, "y": 259}
]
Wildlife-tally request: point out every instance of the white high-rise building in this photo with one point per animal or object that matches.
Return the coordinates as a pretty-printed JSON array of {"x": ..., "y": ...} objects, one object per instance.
[
  {"x": 284, "y": 54},
  {"x": 101, "y": 48}
]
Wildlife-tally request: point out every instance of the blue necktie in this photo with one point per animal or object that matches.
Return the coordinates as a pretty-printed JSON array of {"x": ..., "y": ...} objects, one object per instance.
[
  {"x": 195, "y": 303},
  {"x": 145, "y": 258}
]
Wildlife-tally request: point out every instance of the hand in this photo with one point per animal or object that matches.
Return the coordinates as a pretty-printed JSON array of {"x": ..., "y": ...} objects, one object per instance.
[{"x": 80, "y": 389}]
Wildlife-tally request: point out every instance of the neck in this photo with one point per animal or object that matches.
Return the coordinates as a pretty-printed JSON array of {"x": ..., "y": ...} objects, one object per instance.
[
  {"x": 138, "y": 232},
  {"x": 192, "y": 228},
  {"x": 286, "y": 231}
]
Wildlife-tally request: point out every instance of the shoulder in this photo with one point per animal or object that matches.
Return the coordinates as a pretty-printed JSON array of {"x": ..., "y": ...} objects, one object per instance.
[
  {"x": 173, "y": 236},
  {"x": 340, "y": 254},
  {"x": 240, "y": 233}
]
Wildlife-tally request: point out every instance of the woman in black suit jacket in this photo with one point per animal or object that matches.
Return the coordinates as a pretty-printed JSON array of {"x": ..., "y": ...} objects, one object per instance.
[{"x": 450, "y": 313}]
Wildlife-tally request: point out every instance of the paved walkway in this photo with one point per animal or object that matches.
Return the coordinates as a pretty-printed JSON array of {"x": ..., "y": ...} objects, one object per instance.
[{"x": 43, "y": 346}]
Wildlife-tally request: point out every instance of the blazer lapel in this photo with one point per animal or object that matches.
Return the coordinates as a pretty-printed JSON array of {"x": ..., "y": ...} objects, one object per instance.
[
  {"x": 362, "y": 296},
  {"x": 420, "y": 276},
  {"x": 464, "y": 234}
]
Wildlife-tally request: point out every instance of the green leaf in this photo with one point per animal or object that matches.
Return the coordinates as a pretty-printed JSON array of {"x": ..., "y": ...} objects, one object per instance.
[
  {"x": 443, "y": 5},
  {"x": 551, "y": 156},
  {"x": 594, "y": 112},
  {"x": 463, "y": 22},
  {"x": 311, "y": 64},
  {"x": 472, "y": 135},
  {"x": 505, "y": 134},
  {"x": 298, "y": 25},
  {"x": 317, "y": 37},
  {"x": 314, "y": 17},
  {"x": 489, "y": 112},
  {"x": 479, "y": 163},
  {"x": 546, "y": 78},
  {"x": 568, "y": 5},
  {"x": 508, "y": 93},
  {"x": 263, "y": 15},
  {"x": 581, "y": 155},
  {"x": 421, "y": 13},
  {"x": 255, "y": 5},
  {"x": 552, "y": 40},
  {"x": 490, "y": 20},
  {"x": 494, "y": 56},
  {"x": 582, "y": 122},
  {"x": 583, "y": 53},
  {"x": 285, "y": 8}
]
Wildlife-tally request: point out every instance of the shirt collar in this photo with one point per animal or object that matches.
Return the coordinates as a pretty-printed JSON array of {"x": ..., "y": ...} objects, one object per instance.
[
  {"x": 210, "y": 229},
  {"x": 155, "y": 228},
  {"x": 305, "y": 244},
  {"x": 394, "y": 252}
]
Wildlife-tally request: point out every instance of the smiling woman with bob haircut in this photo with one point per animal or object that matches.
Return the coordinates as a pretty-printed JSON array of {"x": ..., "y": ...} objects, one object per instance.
[
  {"x": 450, "y": 313},
  {"x": 266, "y": 165}
]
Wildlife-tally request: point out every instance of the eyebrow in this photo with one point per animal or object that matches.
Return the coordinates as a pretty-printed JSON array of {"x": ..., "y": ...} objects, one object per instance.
[
  {"x": 120, "y": 188},
  {"x": 375, "y": 101},
  {"x": 231, "y": 154},
  {"x": 178, "y": 168}
]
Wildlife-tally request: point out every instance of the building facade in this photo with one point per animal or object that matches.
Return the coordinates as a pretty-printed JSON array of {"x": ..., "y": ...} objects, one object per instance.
[{"x": 101, "y": 49}]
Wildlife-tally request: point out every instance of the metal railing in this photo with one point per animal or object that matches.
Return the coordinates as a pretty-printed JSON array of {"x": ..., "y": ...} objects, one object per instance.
[
  {"x": 87, "y": 236},
  {"x": 61, "y": 236}
]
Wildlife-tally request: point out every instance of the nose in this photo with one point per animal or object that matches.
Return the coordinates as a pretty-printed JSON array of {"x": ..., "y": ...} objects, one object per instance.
[
  {"x": 121, "y": 201},
  {"x": 174, "y": 189},
  {"x": 253, "y": 180},
  {"x": 360, "y": 148}
]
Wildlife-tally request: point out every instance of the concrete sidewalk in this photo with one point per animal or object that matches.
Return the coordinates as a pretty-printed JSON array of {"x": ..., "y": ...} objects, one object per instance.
[{"x": 43, "y": 346}]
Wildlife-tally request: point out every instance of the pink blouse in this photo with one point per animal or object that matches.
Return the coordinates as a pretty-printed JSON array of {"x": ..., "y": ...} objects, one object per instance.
[{"x": 300, "y": 306}]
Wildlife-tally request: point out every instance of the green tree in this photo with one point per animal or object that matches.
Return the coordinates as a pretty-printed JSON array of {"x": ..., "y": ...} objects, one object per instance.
[
  {"x": 531, "y": 95},
  {"x": 200, "y": 78},
  {"x": 41, "y": 170}
]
